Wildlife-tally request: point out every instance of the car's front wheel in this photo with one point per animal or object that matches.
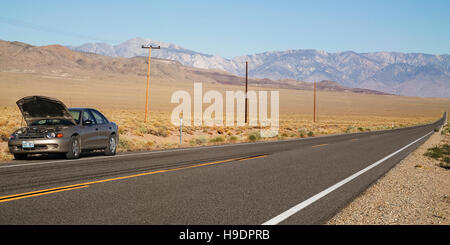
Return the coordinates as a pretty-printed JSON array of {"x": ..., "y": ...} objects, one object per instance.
[
  {"x": 74, "y": 148},
  {"x": 111, "y": 148}
]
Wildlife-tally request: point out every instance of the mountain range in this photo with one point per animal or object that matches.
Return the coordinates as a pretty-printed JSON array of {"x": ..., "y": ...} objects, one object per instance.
[
  {"x": 411, "y": 74},
  {"x": 56, "y": 61}
]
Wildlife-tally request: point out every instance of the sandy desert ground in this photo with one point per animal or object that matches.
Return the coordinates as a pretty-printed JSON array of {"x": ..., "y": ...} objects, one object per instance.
[{"x": 122, "y": 99}]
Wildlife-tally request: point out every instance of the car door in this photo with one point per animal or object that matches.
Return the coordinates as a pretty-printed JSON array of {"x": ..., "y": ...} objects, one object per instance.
[
  {"x": 89, "y": 132},
  {"x": 104, "y": 129}
]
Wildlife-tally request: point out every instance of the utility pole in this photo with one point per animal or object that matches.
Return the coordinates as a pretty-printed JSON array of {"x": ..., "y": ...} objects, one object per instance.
[
  {"x": 181, "y": 130},
  {"x": 317, "y": 106},
  {"x": 314, "y": 119},
  {"x": 246, "y": 87},
  {"x": 150, "y": 47}
]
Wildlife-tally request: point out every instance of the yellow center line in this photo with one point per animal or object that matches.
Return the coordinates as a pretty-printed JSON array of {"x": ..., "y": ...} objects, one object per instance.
[
  {"x": 353, "y": 139},
  {"x": 248, "y": 158},
  {"x": 85, "y": 184},
  {"x": 318, "y": 145},
  {"x": 39, "y": 193}
]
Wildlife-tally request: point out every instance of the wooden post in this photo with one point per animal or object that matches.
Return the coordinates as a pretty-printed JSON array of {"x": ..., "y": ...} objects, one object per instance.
[
  {"x": 181, "y": 130},
  {"x": 246, "y": 87},
  {"x": 148, "y": 83},
  {"x": 148, "y": 76},
  {"x": 314, "y": 116}
]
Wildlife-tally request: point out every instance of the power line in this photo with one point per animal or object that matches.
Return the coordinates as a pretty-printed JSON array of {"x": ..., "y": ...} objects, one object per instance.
[{"x": 40, "y": 28}]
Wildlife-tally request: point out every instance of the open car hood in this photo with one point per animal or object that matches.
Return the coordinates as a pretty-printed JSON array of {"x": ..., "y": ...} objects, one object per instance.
[{"x": 36, "y": 108}]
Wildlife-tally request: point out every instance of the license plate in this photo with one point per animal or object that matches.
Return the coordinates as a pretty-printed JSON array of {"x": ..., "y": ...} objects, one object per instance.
[{"x": 26, "y": 144}]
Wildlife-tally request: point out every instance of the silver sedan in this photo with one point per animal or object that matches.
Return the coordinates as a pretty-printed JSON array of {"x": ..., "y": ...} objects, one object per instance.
[{"x": 52, "y": 128}]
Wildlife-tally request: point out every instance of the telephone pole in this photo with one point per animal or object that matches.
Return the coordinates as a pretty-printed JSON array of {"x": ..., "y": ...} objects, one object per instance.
[
  {"x": 150, "y": 47},
  {"x": 246, "y": 87},
  {"x": 314, "y": 119}
]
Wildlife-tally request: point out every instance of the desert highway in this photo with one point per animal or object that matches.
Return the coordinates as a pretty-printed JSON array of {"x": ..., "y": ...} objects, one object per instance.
[{"x": 301, "y": 181}]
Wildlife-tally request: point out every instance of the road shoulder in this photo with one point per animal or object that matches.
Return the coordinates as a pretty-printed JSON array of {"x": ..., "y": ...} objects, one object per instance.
[{"x": 415, "y": 191}]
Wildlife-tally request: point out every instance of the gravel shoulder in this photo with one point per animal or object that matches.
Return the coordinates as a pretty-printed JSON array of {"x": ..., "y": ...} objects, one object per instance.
[{"x": 415, "y": 191}]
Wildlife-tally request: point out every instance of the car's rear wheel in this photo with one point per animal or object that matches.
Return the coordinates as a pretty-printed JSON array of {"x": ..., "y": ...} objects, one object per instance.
[
  {"x": 20, "y": 156},
  {"x": 111, "y": 148},
  {"x": 74, "y": 148}
]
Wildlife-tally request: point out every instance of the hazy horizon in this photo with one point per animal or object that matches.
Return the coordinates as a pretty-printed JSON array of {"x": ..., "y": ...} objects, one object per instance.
[
  {"x": 268, "y": 51},
  {"x": 236, "y": 28}
]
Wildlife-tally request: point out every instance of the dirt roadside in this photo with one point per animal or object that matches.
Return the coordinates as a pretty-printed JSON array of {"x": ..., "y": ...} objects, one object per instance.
[{"x": 415, "y": 191}]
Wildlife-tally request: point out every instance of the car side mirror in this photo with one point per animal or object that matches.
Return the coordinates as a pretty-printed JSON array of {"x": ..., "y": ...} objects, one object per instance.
[{"x": 87, "y": 122}]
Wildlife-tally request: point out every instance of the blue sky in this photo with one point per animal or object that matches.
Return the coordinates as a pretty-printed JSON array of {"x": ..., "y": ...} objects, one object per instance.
[{"x": 233, "y": 28}]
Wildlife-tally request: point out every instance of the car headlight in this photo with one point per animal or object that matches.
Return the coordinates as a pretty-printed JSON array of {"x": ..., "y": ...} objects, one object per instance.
[{"x": 51, "y": 135}]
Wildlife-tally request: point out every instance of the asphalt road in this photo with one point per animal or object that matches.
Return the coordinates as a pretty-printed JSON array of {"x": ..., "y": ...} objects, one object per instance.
[{"x": 302, "y": 181}]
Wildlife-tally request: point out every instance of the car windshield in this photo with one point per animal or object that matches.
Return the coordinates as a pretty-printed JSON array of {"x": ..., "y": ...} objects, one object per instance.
[
  {"x": 76, "y": 115},
  {"x": 52, "y": 122}
]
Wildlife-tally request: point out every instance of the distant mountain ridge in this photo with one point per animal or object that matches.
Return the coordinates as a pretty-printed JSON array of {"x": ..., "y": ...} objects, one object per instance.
[
  {"x": 56, "y": 61},
  {"x": 412, "y": 74}
]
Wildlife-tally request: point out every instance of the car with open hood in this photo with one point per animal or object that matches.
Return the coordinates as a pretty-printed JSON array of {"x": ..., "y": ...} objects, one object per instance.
[{"x": 53, "y": 128}]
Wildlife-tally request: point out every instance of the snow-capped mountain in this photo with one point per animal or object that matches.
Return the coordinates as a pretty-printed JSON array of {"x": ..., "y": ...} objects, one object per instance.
[
  {"x": 414, "y": 74},
  {"x": 169, "y": 51}
]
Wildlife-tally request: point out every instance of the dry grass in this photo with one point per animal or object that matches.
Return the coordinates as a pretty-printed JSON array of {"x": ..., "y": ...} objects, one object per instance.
[
  {"x": 121, "y": 98},
  {"x": 127, "y": 92},
  {"x": 159, "y": 133}
]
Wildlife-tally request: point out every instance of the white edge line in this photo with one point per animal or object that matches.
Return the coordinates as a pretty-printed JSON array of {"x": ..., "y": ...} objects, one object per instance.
[
  {"x": 196, "y": 148},
  {"x": 203, "y": 147},
  {"x": 158, "y": 151},
  {"x": 286, "y": 214},
  {"x": 131, "y": 154}
]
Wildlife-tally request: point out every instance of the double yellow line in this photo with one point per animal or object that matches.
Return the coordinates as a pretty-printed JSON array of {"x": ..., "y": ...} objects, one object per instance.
[
  {"x": 86, "y": 184},
  {"x": 41, "y": 192},
  {"x": 314, "y": 146}
]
